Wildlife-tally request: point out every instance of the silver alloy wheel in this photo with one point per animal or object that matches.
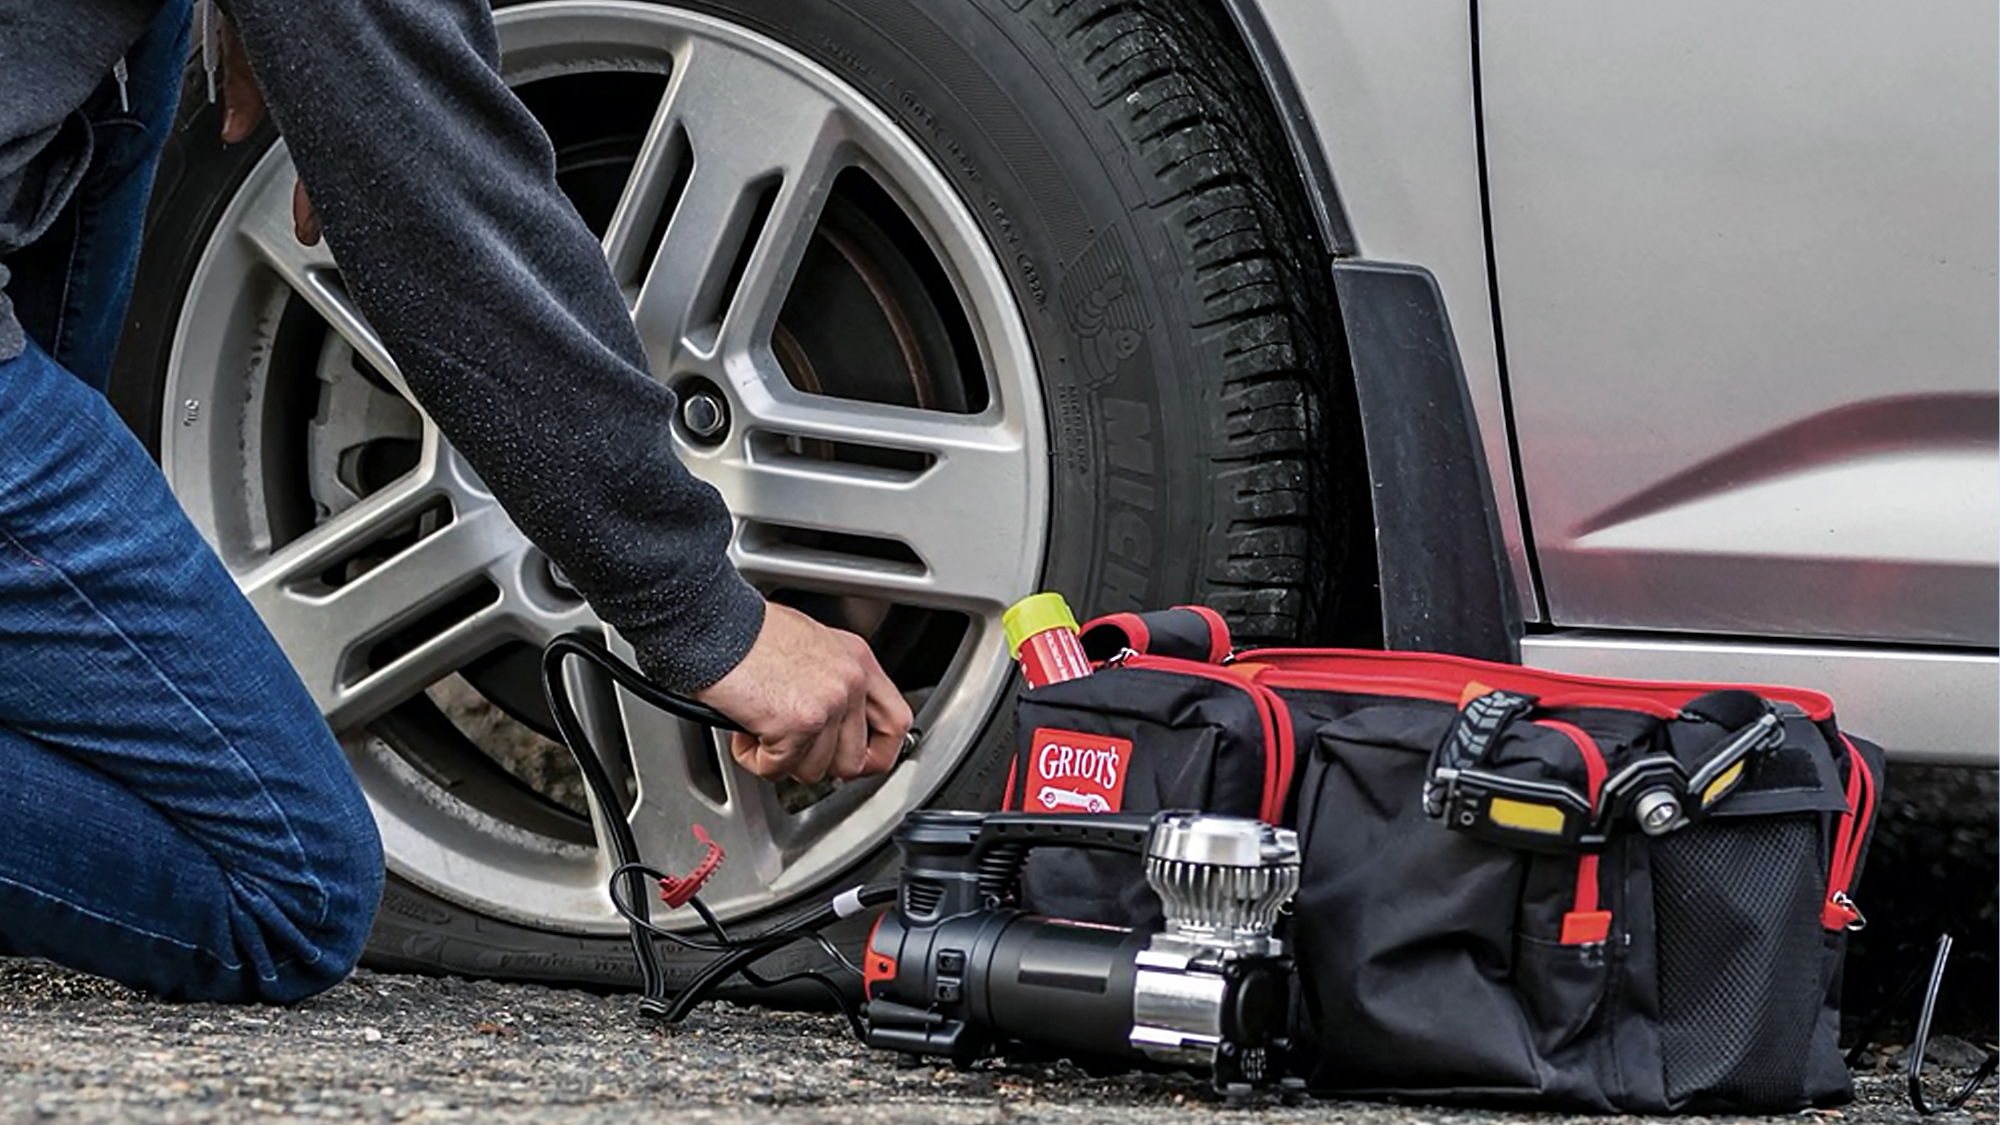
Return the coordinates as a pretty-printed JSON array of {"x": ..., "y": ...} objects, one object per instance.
[{"x": 868, "y": 506}]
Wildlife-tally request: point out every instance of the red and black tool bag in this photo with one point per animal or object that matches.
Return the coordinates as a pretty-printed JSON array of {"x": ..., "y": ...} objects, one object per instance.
[{"x": 1482, "y": 916}]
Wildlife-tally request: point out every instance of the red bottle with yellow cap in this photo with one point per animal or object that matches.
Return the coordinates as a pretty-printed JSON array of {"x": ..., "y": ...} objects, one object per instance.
[{"x": 1042, "y": 635}]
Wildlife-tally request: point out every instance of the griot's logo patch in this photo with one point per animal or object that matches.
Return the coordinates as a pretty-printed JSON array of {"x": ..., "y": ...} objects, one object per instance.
[{"x": 1071, "y": 771}]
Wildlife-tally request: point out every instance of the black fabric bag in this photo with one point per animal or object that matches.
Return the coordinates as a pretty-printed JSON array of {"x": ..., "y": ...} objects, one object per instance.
[
  {"x": 1454, "y": 947},
  {"x": 1482, "y": 917}
]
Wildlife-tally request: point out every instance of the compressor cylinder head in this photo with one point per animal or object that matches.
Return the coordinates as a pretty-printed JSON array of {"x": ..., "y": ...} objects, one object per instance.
[{"x": 1222, "y": 880}]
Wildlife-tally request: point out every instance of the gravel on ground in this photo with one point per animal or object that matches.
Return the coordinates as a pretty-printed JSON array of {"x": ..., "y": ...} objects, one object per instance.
[{"x": 421, "y": 1049}]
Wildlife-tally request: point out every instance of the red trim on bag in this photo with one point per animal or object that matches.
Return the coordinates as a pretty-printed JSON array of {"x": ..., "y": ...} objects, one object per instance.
[
  {"x": 1594, "y": 769},
  {"x": 1013, "y": 775},
  {"x": 1586, "y": 894},
  {"x": 1278, "y": 780},
  {"x": 1442, "y": 678},
  {"x": 1218, "y": 631},
  {"x": 1276, "y": 718},
  {"x": 1839, "y": 913},
  {"x": 1585, "y": 924}
]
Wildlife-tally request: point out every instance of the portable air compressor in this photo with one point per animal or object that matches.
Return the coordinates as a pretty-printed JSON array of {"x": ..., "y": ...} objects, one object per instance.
[{"x": 956, "y": 969}]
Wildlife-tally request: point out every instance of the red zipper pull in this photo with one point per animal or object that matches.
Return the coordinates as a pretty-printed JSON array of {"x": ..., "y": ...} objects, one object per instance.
[{"x": 1840, "y": 913}]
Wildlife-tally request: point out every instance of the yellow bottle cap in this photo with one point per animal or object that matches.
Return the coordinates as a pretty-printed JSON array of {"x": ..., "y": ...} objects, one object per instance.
[{"x": 1033, "y": 614}]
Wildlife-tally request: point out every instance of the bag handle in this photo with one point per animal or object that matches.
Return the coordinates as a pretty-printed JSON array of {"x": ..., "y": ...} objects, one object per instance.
[{"x": 1186, "y": 632}]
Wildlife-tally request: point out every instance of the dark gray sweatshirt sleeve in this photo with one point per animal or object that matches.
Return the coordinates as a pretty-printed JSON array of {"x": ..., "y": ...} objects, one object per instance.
[{"x": 436, "y": 191}]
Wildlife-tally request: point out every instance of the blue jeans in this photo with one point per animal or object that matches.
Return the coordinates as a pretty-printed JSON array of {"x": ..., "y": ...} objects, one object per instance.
[
  {"x": 74, "y": 282},
  {"x": 174, "y": 813}
]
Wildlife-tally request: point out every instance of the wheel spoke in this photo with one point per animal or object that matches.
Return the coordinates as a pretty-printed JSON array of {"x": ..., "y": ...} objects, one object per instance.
[
  {"x": 953, "y": 496},
  {"x": 762, "y": 147},
  {"x": 415, "y": 611},
  {"x": 673, "y": 799},
  {"x": 651, "y": 187},
  {"x": 311, "y": 273}
]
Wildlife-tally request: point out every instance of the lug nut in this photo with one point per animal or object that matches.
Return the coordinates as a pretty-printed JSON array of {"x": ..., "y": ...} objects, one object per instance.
[{"x": 705, "y": 415}]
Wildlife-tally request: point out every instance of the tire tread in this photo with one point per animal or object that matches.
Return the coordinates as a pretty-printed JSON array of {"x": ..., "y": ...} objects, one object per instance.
[{"x": 1180, "y": 95}]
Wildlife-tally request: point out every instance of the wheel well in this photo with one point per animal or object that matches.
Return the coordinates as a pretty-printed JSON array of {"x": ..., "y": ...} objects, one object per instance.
[
  {"x": 1288, "y": 107},
  {"x": 1396, "y": 389},
  {"x": 1343, "y": 606}
]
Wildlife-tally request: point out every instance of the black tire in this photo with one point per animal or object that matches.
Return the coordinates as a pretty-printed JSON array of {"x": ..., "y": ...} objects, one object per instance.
[{"x": 1122, "y": 157}]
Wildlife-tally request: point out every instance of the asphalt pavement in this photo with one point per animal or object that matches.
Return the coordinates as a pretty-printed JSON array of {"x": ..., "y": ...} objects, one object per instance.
[{"x": 420, "y": 1049}]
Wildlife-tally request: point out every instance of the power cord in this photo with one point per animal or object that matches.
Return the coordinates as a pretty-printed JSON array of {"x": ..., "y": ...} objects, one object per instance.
[
  {"x": 631, "y": 882},
  {"x": 1913, "y": 1071}
]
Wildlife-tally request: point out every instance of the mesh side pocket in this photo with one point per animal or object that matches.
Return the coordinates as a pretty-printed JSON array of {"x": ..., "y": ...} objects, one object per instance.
[{"x": 1740, "y": 972}]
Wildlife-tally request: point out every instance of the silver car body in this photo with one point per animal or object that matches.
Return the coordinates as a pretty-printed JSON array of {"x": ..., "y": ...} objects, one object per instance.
[{"x": 1723, "y": 284}]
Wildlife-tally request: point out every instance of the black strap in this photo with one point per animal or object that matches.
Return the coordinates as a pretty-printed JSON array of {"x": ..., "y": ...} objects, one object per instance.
[{"x": 1471, "y": 736}]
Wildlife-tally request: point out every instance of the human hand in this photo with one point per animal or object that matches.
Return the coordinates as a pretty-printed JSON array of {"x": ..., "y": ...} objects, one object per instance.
[
  {"x": 815, "y": 701},
  {"x": 243, "y": 111}
]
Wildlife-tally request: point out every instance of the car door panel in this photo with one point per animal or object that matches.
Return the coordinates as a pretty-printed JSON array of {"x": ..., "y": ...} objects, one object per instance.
[{"x": 1746, "y": 262}]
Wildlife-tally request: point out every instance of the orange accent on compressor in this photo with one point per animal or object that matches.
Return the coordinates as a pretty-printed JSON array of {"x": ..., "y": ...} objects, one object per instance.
[{"x": 877, "y": 967}]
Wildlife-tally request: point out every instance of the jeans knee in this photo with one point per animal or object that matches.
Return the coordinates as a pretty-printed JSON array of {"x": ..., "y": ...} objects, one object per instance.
[
  {"x": 310, "y": 954},
  {"x": 344, "y": 933}
]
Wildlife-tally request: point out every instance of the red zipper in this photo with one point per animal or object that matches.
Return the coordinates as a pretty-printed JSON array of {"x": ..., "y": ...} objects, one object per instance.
[
  {"x": 1443, "y": 678},
  {"x": 1413, "y": 688},
  {"x": 1839, "y": 912},
  {"x": 1279, "y": 749}
]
